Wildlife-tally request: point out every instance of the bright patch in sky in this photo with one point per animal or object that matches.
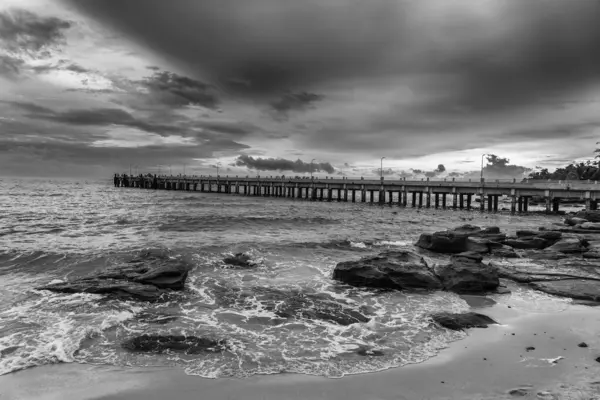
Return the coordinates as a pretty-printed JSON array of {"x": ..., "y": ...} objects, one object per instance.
[{"x": 126, "y": 137}]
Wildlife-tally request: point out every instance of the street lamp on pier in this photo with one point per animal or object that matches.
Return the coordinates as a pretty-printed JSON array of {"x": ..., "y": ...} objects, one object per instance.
[
  {"x": 218, "y": 165},
  {"x": 311, "y": 167},
  {"x": 483, "y": 155},
  {"x": 381, "y": 169}
]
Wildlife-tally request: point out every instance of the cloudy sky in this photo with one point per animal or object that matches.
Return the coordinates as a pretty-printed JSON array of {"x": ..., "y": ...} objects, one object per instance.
[{"x": 89, "y": 88}]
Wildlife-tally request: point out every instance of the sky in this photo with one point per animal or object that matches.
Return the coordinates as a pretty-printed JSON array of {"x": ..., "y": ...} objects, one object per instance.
[{"x": 90, "y": 88}]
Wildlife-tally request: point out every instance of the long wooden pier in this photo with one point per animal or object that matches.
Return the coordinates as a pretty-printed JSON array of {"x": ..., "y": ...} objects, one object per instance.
[{"x": 424, "y": 193}]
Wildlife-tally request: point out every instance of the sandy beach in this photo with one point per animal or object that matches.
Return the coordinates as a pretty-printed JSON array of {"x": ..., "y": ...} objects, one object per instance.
[{"x": 488, "y": 364}]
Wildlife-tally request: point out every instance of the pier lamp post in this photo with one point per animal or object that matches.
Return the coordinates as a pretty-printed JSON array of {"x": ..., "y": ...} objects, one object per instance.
[
  {"x": 381, "y": 169},
  {"x": 483, "y": 155},
  {"x": 184, "y": 165},
  {"x": 218, "y": 165},
  {"x": 170, "y": 172},
  {"x": 311, "y": 168}
]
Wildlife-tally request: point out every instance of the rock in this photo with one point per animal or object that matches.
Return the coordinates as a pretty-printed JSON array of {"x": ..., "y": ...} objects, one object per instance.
[
  {"x": 582, "y": 344},
  {"x": 459, "y": 322},
  {"x": 161, "y": 272},
  {"x": 239, "y": 260},
  {"x": 443, "y": 242},
  {"x": 519, "y": 392},
  {"x": 582, "y": 289},
  {"x": 118, "y": 288},
  {"x": 544, "y": 255},
  {"x": 180, "y": 343},
  {"x": 147, "y": 276},
  {"x": 298, "y": 307},
  {"x": 527, "y": 243},
  {"x": 522, "y": 233},
  {"x": 461, "y": 239},
  {"x": 467, "y": 274},
  {"x": 478, "y": 245},
  {"x": 390, "y": 270},
  {"x": 504, "y": 252},
  {"x": 366, "y": 351},
  {"x": 572, "y": 221},
  {"x": 591, "y": 225},
  {"x": 567, "y": 246},
  {"x": 468, "y": 230},
  {"x": 496, "y": 237},
  {"x": 549, "y": 235},
  {"x": 589, "y": 215}
]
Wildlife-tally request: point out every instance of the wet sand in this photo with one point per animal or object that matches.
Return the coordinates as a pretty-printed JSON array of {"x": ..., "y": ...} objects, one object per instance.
[{"x": 486, "y": 365}]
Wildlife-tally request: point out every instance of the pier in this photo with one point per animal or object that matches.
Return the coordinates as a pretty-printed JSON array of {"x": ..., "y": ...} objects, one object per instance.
[{"x": 445, "y": 194}]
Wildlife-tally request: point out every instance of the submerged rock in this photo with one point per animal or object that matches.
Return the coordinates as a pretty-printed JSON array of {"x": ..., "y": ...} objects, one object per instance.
[
  {"x": 462, "y": 321},
  {"x": 239, "y": 260},
  {"x": 298, "y": 307},
  {"x": 292, "y": 304},
  {"x": 181, "y": 343},
  {"x": 390, "y": 270},
  {"x": 467, "y": 274},
  {"x": 148, "y": 276}
]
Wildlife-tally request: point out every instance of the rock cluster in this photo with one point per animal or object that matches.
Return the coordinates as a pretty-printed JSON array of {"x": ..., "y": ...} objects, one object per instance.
[{"x": 407, "y": 270}]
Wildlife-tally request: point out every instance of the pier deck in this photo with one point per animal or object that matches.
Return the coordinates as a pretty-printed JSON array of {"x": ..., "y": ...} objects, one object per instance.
[{"x": 424, "y": 193}]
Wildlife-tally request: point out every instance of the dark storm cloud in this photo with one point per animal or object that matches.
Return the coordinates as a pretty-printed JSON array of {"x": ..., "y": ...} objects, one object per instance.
[
  {"x": 526, "y": 50},
  {"x": 559, "y": 131},
  {"x": 294, "y": 102},
  {"x": 176, "y": 90},
  {"x": 92, "y": 117},
  {"x": 10, "y": 66},
  {"x": 228, "y": 127},
  {"x": 281, "y": 164},
  {"x": 22, "y": 30}
]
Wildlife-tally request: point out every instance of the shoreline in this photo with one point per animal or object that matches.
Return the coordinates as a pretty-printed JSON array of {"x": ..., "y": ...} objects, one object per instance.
[{"x": 487, "y": 364}]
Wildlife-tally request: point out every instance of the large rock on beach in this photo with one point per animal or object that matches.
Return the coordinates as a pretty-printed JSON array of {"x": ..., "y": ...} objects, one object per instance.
[
  {"x": 580, "y": 289},
  {"x": 574, "y": 278},
  {"x": 179, "y": 343},
  {"x": 443, "y": 242},
  {"x": 467, "y": 274},
  {"x": 389, "y": 270},
  {"x": 458, "y": 322},
  {"x": 147, "y": 276},
  {"x": 461, "y": 239}
]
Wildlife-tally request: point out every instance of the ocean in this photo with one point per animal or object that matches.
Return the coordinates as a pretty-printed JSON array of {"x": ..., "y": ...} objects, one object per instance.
[{"x": 55, "y": 230}]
